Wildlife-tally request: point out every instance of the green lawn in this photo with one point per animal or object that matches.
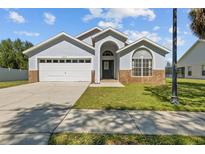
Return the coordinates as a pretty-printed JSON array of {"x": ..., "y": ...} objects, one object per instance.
[
  {"x": 12, "y": 83},
  {"x": 120, "y": 139},
  {"x": 145, "y": 97}
]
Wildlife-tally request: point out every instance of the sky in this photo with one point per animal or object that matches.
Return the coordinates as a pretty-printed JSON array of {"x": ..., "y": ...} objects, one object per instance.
[{"x": 37, "y": 25}]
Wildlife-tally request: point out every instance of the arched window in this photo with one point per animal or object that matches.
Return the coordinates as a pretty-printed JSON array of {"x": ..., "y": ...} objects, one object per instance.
[
  {"x": 142, "y": 63},
  {"x": 107, "y": 53}
]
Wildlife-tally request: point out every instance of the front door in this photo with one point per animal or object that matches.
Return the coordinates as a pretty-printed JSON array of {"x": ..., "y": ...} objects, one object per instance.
[{"x": 108, "y": 69}]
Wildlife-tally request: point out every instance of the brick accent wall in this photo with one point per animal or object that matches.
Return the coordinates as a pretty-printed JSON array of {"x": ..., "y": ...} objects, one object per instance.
[
  {"x": 33, "y": 76},
  {"x": 92, "y": 76},
  {"x": 158, "y": 77}
]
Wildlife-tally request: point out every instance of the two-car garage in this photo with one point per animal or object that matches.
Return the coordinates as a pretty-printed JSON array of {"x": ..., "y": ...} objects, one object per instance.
[
  {"x": 75, "y": 69},
  {"x": 61, "y": 58}
]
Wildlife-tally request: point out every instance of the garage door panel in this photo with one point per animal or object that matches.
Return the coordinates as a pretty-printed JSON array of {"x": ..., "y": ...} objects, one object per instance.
[
  {"x": 65, "y": 66},
  {"x": 65, "y": 71},
  {"x": 83, "y": 75}
]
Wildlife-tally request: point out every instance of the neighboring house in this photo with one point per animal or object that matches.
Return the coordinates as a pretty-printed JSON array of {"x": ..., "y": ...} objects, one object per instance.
[
  {"x": 192, "y": 63},
  {"x": 95, "y": 55}
]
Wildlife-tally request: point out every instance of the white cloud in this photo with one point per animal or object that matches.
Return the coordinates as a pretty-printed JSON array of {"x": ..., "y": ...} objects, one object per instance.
[
  {"x": 134, "y": 35},
  {"x": 187, "y": 33},
  {"x": 130, "y": 12},
  {"x": 115, "y": 16},
  {"x": 119, "y": 13},
  {"x": 105, "y": 24},
  {"x": 180, "y": 41},
  {"x": 156, "y": 28},
  {"x": 171, "y": 30},
  {"x": 168, "y": 42},
  {"x": 94, "y": 13},
  {"x": 16, "y": 17},
  {"x": 49, "y": 18},
  {"x": 31, "y": 34}
]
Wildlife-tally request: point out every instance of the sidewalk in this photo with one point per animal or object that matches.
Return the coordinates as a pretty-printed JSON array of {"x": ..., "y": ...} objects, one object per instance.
[{"x": 134, "y": 122}]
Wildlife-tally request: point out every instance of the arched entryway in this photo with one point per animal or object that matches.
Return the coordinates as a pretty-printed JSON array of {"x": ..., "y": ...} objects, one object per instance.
[{"x": 109, "y": 64}]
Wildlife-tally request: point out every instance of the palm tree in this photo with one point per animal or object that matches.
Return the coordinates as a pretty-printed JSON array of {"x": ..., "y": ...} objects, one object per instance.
[
  {"x": 197, "y": 26},
  {"x": 174, "y": 60}
]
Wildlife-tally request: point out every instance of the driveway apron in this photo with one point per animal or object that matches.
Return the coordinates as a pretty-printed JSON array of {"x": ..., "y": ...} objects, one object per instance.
[{"x": 29, "y": 113}]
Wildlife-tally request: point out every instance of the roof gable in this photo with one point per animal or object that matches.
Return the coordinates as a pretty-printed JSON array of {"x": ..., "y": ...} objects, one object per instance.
[
  {"x": 88, "y": 33},
  {"x": 142, "y": 42},
  {"x": 109, "y": 31},
  {"x": 61, "y": 36},
  {"x": 190, "y": 49}
]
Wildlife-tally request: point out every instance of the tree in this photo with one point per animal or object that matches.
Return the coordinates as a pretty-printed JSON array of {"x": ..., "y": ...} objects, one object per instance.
[
  {"x": 174, "y": 60},
  {"x": 11, "y": 55},
  {"x": 197, "y": 26}
]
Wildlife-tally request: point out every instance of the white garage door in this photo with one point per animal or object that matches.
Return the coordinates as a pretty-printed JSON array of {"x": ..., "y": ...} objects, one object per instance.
[{"x": 65, "y": 69}]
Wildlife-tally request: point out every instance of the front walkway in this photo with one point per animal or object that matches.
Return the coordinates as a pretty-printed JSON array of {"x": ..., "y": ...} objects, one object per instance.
[
  {"x": 134, "y": 122},
  {"x": 107, "y": 83}
]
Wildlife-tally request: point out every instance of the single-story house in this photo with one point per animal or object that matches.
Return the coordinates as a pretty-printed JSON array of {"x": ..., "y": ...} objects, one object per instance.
[
  {"x": 192, "y": 63},
  {"x": 95, "y": 55}
]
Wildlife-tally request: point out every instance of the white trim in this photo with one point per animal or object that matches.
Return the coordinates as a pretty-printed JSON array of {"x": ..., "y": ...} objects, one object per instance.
[
  {"x": 111, "y": 29},
  {"x": 55, "y": 37},
  {"x": 32, "y": 69},
  {"x": 144, "y": 39},
  {"x": 141, "y": 67},
  {"x": 141, "y": 47},
  {"x": 64, "y": 57},
  {"x": 188, "y": 66},
  {"x": 81, "y": 34},
  {"x": 108, "y": 58}
]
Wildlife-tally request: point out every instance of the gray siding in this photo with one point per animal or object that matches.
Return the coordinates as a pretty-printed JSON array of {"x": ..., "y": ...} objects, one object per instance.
[
  {"x": 88, "y": 40},
  {"x": 159, "y": 61},
  {"x": 60, "y": 50},
  {"x": 195, "y": 58},
  {"x": 196, "y": 71}
]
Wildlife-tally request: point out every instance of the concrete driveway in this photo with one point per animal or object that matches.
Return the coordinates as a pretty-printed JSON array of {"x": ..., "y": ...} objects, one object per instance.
[{"x": 30, "y": 113}]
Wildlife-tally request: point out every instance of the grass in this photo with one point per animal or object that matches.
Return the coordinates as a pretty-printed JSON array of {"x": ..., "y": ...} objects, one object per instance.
[
  {"x": 120, "y": 139},
  {"x": 12, "y": 83},
  {"x": 146, "y": 97}
]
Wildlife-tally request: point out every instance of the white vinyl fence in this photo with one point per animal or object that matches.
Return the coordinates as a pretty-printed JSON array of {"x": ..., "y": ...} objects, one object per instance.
[{"x": 9, "y": 74}]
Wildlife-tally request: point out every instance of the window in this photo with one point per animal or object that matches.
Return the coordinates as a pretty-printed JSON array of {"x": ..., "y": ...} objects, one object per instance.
[
  {"x": 74, "y": 61},
  {"x": 147, "y": 67},
  {"x": 203, "y": 70},
  {"x": 106, "y": 65},
  {"x": 107, "y": 53},
  {"x": 62, "y": 61},
  {"x": 48, "y": 61},
  {"x": 87, "y": 61},
  {"x": 142, "y": 63},
  {"x": 189, "y": 71},
  {"x": 136, "y": 67},
  {"x": 42, "y": 61},
  {"x": 55, "y": 61},
  {"x": 68, "y": 60},
  {"x": 81, "y": 60}
]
